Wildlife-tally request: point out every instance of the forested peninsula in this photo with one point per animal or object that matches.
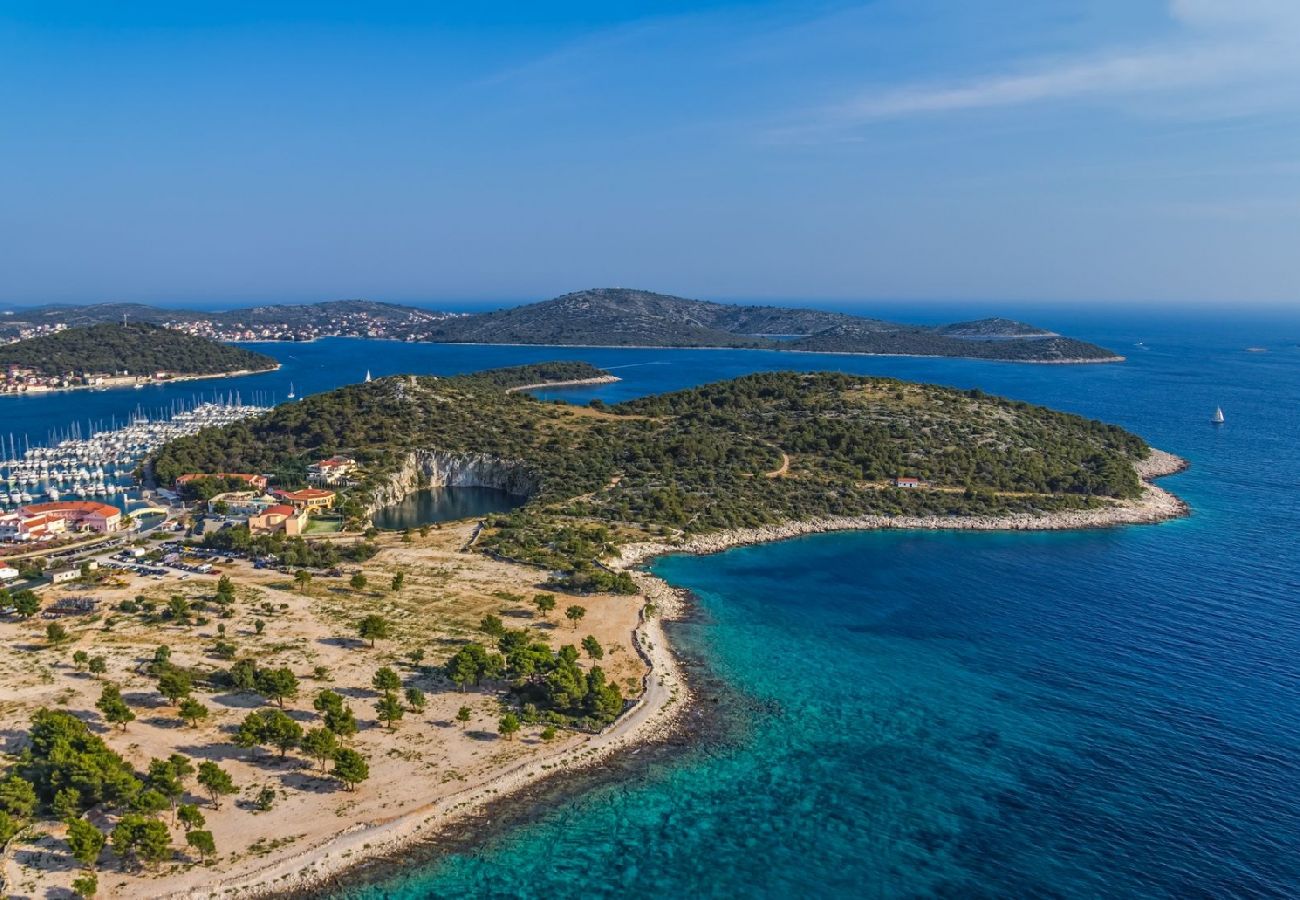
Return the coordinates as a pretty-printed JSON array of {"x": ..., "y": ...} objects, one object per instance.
[
  {"x": 758, "y": 450},
  {"x": 136, "y": 348}
]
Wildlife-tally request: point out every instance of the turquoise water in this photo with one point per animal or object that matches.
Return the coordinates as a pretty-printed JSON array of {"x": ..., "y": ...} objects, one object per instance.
[
  {"x": 1099, "y": 714},
  {"x": 445, "y": 505}
]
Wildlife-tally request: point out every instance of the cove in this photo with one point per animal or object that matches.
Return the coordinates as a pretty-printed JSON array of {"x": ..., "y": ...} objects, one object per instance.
[{"x": 445, "y": 504}]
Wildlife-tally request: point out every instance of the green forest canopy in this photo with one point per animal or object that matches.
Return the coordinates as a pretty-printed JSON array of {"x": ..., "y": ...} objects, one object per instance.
[
  {"x": 137, "y": 348},
  {"x": 695, "y": 460}
]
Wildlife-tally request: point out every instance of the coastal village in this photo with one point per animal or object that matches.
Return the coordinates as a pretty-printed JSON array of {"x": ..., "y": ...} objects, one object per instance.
[{"x": 16, "y": 379}]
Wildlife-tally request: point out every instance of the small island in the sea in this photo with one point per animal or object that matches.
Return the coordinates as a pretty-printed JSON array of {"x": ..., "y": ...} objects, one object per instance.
[
  {"x": 119, "y": 355},
  {"x": 314, "y": 692}
]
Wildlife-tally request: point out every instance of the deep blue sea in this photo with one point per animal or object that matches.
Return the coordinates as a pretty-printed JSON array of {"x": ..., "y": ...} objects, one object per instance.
[{"x": 1098, "y": 714}]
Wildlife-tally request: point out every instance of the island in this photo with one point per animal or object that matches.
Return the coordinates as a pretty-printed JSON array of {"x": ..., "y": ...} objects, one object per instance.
[
  {"x": 317, "y": 696},
  {"x": 623, "y": 317},
  {"x": 115, "y": 355},
  {"x": 619, "y": 317}
]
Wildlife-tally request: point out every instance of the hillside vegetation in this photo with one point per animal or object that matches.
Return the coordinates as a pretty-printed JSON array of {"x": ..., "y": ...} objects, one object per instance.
[
  {"x": 755, "y": 450},
  {"x": 623, "y": 317},
  {"x": 137, "y": 348}
]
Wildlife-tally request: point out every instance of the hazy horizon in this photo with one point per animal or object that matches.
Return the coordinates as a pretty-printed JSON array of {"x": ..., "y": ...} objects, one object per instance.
[{"x": 1083, "y": 152}]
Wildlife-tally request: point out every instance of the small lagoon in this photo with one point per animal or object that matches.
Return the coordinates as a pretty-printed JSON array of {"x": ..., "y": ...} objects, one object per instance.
[{"x": 445, "y": 504}]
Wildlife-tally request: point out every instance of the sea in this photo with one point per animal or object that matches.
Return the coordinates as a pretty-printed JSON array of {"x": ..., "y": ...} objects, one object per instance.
[{"x": 1108, "y": 713}]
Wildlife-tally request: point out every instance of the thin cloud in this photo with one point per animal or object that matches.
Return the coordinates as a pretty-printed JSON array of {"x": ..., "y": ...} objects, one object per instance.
[{"x": 1222, "y": 43}]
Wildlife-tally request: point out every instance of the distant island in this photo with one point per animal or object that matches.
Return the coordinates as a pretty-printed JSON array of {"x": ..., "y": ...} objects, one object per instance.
[
  {"x": 603, "y": 316},
  {"x": 106, "y": 355},
  {"x": 622, "y": 317}
]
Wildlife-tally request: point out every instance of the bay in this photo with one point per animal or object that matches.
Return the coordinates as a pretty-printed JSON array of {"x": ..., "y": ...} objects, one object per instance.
[{"x": 1110, "y": 713}]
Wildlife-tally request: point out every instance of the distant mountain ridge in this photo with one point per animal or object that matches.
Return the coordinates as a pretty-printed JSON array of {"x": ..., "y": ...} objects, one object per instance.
[
  {"x": 611, "y": 317},
  {"x": 626, "y": 317}
]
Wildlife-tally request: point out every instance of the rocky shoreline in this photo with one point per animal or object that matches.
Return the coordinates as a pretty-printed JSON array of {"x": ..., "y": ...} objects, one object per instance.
[
  {"x": 575, "y": 382},
  {"x": 370, "y": 850},
  {"x": 1155, "y": 505}
]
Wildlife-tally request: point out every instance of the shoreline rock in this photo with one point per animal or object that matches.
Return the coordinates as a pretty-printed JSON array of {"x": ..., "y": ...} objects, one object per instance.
[
  {"x": 667, "y": 695},
  {"x": 1155, "y": 505}
]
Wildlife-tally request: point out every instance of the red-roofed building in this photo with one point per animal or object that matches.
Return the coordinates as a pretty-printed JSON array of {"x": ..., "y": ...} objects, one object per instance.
[
  {"x": 257, "y": 481},
  {"x": 17, "y": 526},
  {"x": 330, "y": 471},
  {"x": 908, "y": 482},
  {"x": 280, "y": 517},
  {"x": 307, "y": 499},
  {"x": 77, "y": 515}
]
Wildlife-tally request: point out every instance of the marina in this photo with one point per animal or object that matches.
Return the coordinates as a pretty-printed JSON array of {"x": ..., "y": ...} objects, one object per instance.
[{"x": 102, "y": 463}]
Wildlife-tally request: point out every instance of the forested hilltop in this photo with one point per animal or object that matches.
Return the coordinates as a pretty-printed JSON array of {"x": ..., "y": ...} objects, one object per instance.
[
  {"x": 756, "y": 450},
  {"x": 137, "y": 348}
]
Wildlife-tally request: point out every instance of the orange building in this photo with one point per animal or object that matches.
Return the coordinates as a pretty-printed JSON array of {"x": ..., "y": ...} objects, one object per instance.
[
  {"x": 308, "y": 498},
  {"x": 77, "y": 515},
  {"x": 257, "y": 481},
  {"x": 280, "y": 517}
]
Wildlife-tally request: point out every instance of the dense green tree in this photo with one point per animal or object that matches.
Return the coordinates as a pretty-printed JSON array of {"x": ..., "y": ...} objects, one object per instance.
[
  {"x": 97, "y": 666},
  {"x": 85, "y": 841},
  {"x": 350, "y": 767},
  {"x": 269, "y": 727},
  {"x": 574, "y": 614},
  {"x": 492, "y": 626},
  {"x": 141, "y": 838},
  {"x": 320, "y": 744},
  {"x": 86, "y": 885},
  {"x": 386, "y": 680},
  {"x": 508, "y": 726},
  {"x": 593, "y": 648},
  {"x": 149, "y": 802},
  {"x": 175, "y": 684},
  {"x": 357, "y": 581},
  {"x": 26, "y": 603},
  {"x": 336, "y": 715},
  {"x": 178, "y": 609},
  {"x": 277, "y": 685},
  {"x": 471, "y": 664},
  {"x": 190, "y": 816},
  {"x": 544, "y": 603},
  {"x": 374, "y": 627},
  {"x": 113, "y": 707},
  {"x": 243, "y": 675},
  {"x": 56, "y": 634},
  {"x": 64, "y": 754},
  {"x": 80, "y": 659},
  {"x": 202, "y": 842},
  {"x": 399, "y": 579},
  {"x": 390, "y": 709},
  {"x": 463, "y": 715},
  {"x": 17, "y": 796},
  {"x": 192, "y": 711},
  {"x": 67, "y": 803},
  {"x": 415, "y": 699},
  {"x": 216, "y": 781}
]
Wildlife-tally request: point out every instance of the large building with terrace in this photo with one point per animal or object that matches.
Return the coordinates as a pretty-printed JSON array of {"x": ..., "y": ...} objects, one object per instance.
[{"x": 41, "y": 521}]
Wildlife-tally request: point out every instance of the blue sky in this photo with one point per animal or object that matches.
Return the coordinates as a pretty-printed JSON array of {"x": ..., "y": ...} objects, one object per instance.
[{"x": 1067, "y": 151}]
